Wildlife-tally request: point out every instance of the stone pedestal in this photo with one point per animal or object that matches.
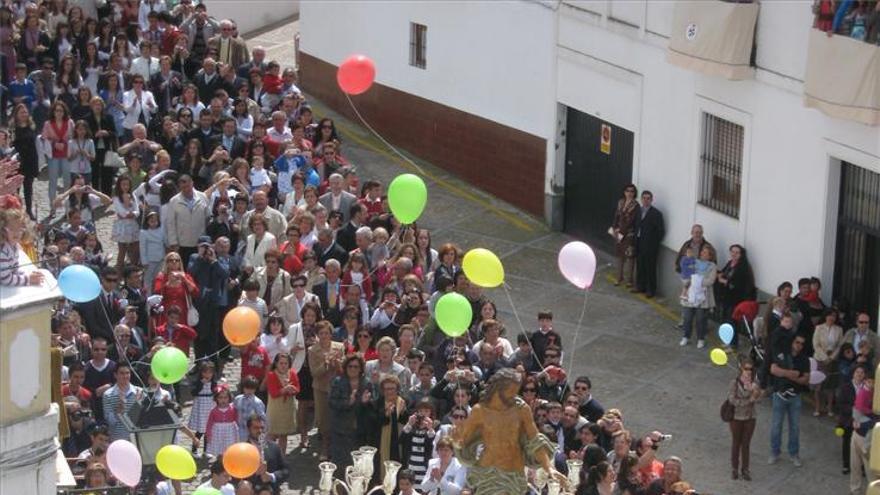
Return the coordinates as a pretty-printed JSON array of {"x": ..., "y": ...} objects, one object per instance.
[{"x": 28, "y": 419}]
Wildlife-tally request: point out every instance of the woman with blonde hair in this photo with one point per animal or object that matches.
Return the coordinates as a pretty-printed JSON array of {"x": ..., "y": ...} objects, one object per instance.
[{"x": 176, "y": 287}]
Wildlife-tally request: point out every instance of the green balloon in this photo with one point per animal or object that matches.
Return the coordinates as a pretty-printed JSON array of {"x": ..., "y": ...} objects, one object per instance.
[
  {"x": 169, "y": 365},
  {"x": 454, "y": 314},
  {"x": 407, "y": 196},
  {"x": 206, "y": 490}
]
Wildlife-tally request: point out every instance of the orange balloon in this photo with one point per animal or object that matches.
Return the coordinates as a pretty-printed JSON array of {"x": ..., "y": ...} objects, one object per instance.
[
  {"x": 241, "y": 460},
  {"x": 241, "y": 325}
]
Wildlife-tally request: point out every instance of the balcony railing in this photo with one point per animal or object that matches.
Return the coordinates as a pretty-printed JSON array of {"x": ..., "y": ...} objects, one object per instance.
[
  {"x": 843, "y": 78},
  {"x": 713, "y": 37}
]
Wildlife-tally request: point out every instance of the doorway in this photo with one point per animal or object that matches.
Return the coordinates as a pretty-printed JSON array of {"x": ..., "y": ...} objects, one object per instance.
[
  {"x": 598, "y": 164},
  {"x": 857, "y": 253}
]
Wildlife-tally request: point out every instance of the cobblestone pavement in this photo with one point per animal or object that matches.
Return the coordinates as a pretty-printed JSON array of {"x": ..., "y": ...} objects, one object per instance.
[{"x": 628, "y": 346}]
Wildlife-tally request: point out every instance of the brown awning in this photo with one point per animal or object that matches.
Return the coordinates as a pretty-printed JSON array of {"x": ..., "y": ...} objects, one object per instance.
[
  {"x": 713, "y": 37},
  {"x": 843, "y": 78}
]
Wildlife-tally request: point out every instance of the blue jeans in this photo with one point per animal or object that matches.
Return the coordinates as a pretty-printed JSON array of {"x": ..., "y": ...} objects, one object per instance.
[
  {"x": 59, "y": 168},
  {"x": 687, "y": 316},
  {"x": 781, "y": 407}
]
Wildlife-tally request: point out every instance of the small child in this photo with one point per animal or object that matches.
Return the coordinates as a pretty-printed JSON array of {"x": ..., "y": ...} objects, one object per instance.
[
  {"x": 252, "y": 300},
  {"x": 255, "y": 363},
  {"x": 272, "y": 84},
  {"x": 12, "y": 224},
  {"x": 152, "y": 248},
  {"x": 259, "y": 177},
  {"x": 81, "y": 151},
  {"x": 177, "y": 334},
  {"x": 203, "y": 400},
  {"x": 862, "y": 408},
  {"x": 357, "y": 273},
  {"x": 221, "y": 429},
  {"x": 247, "y": 404}
]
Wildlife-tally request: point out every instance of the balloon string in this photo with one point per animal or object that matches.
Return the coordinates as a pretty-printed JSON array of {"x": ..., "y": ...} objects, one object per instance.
[
  {"x": 522, "y": 329},
  {"x": 577, "y": 332},
  {"x": 389, "y": 145}
]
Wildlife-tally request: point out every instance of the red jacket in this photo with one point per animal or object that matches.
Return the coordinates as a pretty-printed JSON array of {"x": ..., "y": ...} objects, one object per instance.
[
  {"x": 182, "y": 337},
  {"x": 292, "y": 263},
  {"x": 366, "y": 285}
]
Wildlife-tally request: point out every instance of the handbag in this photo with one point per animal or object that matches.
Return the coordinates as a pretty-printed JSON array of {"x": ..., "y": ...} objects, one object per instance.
[
  {"x": 727, "y": 410},
  {"x": 192, "y": 314},
  {"x": 113, "y": 160}
]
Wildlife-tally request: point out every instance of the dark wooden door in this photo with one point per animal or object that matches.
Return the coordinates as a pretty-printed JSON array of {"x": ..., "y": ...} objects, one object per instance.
[
  {"x": 594, "y": 179},
  {"x": 857, "y": 255}
]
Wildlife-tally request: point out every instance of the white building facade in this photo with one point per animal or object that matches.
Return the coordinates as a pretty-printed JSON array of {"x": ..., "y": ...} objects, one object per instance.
[{"x": 590, "y": 83}]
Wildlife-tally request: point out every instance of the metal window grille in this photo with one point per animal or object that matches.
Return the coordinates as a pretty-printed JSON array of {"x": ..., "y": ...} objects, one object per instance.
[
  {"x": 721, "y": 158},
  {"x": 418, "y": 45}
]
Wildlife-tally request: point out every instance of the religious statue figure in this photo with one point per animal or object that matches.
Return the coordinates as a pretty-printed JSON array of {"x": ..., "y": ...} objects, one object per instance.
[{"x": 499, "y": 439}]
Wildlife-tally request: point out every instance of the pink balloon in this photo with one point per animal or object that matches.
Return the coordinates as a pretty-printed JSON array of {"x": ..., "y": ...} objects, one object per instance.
[
  {"x": 814, "y": 365},
  {"x": 356, "y": 74},
  {"x": 816, "y": 377},
  {"x": 577, "y": 262},
  {"x": 124, "y": 462}
]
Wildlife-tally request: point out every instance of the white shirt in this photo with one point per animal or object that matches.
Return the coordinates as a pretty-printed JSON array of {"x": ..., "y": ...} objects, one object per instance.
[
  {"x": 226, "y": 489},
  {"x": 451, "y": 481}
]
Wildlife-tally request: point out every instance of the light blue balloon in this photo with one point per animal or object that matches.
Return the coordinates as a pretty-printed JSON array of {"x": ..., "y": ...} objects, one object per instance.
[
  {"x": 725, "y": 333},
  {"x": 79, "y": 283}
]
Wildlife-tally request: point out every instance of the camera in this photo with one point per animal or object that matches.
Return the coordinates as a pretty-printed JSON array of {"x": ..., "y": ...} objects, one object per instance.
[{"x": 81, "y": 414}]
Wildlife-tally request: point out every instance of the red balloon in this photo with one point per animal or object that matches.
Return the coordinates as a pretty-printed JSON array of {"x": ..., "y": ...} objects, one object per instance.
[{"x": 356, "y": 74}]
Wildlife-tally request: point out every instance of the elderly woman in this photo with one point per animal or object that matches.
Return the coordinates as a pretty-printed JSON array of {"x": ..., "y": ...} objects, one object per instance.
[
  {"x": 346, "y": 410},
  {"x": 325, "y": 360},
  {"x": 123, "y": 349},
  {"x": 259, "y": 241},
  {"x": 827, "y": 340},
  {"x": 387, "y": 416},
  {"x": 624, "y": 232},
  {"x": 274, "y": 281},
  {"x": 385, "y": 365},
  {"x": 700, "y": 298}
]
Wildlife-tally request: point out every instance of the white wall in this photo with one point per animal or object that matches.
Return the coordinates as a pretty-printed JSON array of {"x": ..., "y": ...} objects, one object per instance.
[
  {"x": 787, "y": 196},
  {"x": 495, "y": 60},
  {"x": 251, "y": 15}
]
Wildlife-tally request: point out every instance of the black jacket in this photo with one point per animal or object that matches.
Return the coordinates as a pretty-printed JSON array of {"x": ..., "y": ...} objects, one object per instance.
[
  {"x": 345, "y": 237},
  {"x": 331, "y": 314},
  {"x": 650, "y": 231},
  {"x": 165, "y": 95},
  {"x": 276, "y": 465},
  {"x": 238, "y": 146},
  {"x": 335, "y": 252},
  {"x": 99, "y": 318}
]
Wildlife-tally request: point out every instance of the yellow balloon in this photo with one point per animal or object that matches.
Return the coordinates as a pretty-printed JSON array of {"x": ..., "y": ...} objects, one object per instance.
[
  {"x": 718, "y": 356},
  {"x": 175, "y": 462},
  {"x": 483, "y": 268},
  {"x": 839, "y": 431}
]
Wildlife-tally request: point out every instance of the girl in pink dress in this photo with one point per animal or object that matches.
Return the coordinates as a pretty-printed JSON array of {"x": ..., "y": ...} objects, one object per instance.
[{"x": 221, "y": 431}]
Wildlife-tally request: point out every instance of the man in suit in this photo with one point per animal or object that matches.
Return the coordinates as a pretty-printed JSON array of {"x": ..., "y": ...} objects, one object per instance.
[
  {"x": 337, "y": 198},
  {"x": 207, "y": 80},
  {"x": 258, "y": 57},
  {"x": 205, "y": 133},
  {"x": 346, "y": 236},
  {"x": 230, "y": 49},
  {"x": 290, "y": 306},
  {"x": 329, "y": 292},
  {"x": 211, "y": 276},
  {"x": 229, "y": 139},
  {"x": 273, "y": 471},
  {"x": 649, "y": 234},
  {"x": 132, "y": 293},
  {"x": 166, "y": 85},
  {"x": 327, "y": 249},
  {"x": 101, "y": 314}
]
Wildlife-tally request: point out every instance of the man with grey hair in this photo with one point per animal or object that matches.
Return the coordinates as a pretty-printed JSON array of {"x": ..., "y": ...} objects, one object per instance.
[
  {"x": 258, "y": 61},
  {"x": 230, "y": 49},
  {"x": 329, "y": 293},
  {"x": 326, "y": 249},
  {"x": 363, "y": 239},
  {"x": 337, "y": 198}
]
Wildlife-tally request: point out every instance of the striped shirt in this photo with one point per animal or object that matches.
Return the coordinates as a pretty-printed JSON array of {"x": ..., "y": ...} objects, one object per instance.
[
  {"x": 11, "y": 273},
  {"x": 111, "y": 400}
]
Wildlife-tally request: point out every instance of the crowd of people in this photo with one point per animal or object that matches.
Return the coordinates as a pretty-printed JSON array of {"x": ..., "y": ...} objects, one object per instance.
[{"x": 857, "y": 19}]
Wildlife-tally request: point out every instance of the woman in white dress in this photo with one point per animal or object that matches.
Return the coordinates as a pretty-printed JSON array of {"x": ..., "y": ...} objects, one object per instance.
[{"x": 126, "y": 232}]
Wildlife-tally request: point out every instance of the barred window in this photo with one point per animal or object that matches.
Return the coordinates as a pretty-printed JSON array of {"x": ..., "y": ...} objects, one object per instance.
[
  {"x": 418, "y": 45},
  {"x": 721, "y": 157}
]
